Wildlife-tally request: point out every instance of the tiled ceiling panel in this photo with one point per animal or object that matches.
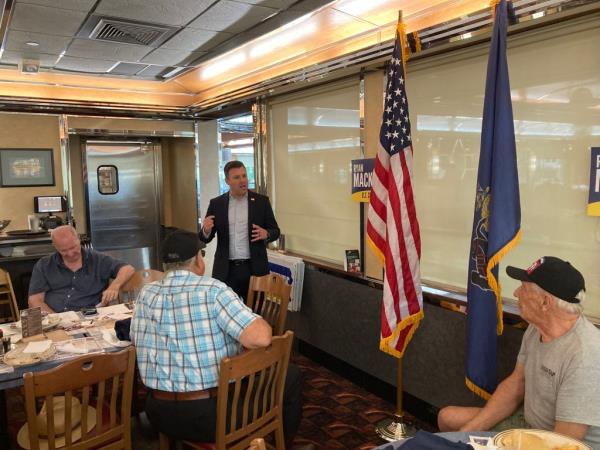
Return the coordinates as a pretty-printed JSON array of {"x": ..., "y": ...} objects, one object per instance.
[
  {"x": 17, "y": 40},
  {"x": 151, "y": 71},
  {"x": 47, "y": 20},
  {"x": 312, "y": 5},
  {"x": 166, "y": 57},
  {"x": 9, "y": 57},
  {"x": 279, "y": 4},
  {"x": 190, "y": 61},
  {"x": 279, "y": 20},
  {"x": 199, "y": 30},
  {"x": 106, "y": 50},
  {"x": 168, "y": 12},
  {"x": 84, "y": 64},
  {"x": 75, "y": 5},
  {"x": 191, "y": 39},
  {"x": 232, "y": 17},
  {"x": 127, "y": 68}
]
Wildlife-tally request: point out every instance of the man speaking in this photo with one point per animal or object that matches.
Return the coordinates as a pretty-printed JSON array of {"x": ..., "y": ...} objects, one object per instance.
[{"x": 244, "y": 223}]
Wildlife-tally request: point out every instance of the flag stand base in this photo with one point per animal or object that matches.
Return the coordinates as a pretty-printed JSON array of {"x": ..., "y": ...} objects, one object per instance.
[{"x": 394, "y": 429}]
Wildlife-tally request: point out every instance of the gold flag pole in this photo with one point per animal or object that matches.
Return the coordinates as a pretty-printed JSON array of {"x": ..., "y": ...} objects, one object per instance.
[{"x": 395, "y": 428}]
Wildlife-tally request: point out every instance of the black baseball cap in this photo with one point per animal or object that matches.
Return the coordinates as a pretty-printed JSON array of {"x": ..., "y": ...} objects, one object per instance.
[
  {"x": 553, "y": 275},
  {"x": 180, "y": 245}
]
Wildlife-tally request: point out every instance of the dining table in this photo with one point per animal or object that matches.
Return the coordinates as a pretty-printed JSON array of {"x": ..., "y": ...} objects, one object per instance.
[{"x": 69, "y": 335}]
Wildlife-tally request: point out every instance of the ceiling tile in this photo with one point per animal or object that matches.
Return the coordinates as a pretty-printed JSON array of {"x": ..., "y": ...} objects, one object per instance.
[
  {"x": 231, "y": 16},
  {"x": 151, "y": 71},
  {"x": 88, "y": 48},
  {"x": 127, "y": 69},
  {"x": 279, "y": 4},
  {"x": 166, "y": 57},
  {"x": 167, "y": 12},
  {"x": 281, "y": 19},
  {"x": 191, "y": 39},
  {"x": 295, "y": 5},
  {"x": 16, "y": 41},
  {"x": 309, "y": 5},
  {"x": 190, "y": 61},
  {"x": 42, "y": 19},
  {"x": 84, "y": 64},
  {"x": 9, "y": 57},
  {"x": 75, "y": 5}
]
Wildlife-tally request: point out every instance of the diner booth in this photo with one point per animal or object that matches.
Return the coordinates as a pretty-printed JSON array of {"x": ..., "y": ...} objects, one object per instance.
[{"x": 129, "y": 162}]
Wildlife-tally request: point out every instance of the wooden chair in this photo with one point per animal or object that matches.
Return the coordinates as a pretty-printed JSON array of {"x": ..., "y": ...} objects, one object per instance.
[
  {"x": 7, "y": 298},
  {"x": 88, "y": 378},
  {"x": 131, "y": 289},
  {"x": 268, "y": 296},
  {"x": 250, "y": 398}
]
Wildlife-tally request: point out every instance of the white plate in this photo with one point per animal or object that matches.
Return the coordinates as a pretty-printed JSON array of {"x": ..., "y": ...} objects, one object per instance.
[
  {"x": 17, "y": 358},
  {"x": 525, "y": 439},
  {"x": 48, "y": 322}
]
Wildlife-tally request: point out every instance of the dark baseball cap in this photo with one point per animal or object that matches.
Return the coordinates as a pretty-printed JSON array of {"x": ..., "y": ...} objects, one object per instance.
[
  {"x": 553, "y": 275},
  {"x": 180, "y": 245}
]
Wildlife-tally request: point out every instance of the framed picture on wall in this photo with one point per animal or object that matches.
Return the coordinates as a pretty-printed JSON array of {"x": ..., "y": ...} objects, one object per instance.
[{"x": 21, "y": 167}]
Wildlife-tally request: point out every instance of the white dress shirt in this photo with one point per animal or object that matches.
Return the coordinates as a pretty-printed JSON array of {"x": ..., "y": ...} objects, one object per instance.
[{"x": 239, "y": 241}]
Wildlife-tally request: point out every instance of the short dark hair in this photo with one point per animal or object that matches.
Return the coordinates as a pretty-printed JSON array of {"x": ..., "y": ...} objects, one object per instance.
[{"x": 232, "y": 165}]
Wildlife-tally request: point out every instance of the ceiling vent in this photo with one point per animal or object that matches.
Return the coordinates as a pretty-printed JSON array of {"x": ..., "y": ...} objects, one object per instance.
[{"x": 125, "y": 31}]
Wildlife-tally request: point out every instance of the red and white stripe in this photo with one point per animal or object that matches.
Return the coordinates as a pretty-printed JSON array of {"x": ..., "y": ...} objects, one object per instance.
[{"x": 393, "y": 230}]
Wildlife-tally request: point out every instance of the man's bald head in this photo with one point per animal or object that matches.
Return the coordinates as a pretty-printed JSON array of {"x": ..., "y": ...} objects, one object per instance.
[
  {"x": 66, "y": 242},
  {"x": 64, "y": 232}
]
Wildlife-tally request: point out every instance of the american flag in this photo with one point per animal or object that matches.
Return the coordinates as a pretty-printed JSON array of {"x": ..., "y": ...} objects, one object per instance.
[{"x": 392, "y": 227}]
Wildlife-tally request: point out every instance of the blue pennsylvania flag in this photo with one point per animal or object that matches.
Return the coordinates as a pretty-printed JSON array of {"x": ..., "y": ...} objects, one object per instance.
[{"x": 497, "y": 216}]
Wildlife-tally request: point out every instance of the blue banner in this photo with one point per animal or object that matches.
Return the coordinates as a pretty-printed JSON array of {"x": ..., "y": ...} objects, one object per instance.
[{"x": 496, "y": 219}]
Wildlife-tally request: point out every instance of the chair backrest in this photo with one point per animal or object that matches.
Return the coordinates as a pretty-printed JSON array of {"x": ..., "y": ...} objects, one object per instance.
[
  {"x": 268, "y": 296},
  {"x": 7, "y": 298},
  {"x": 131, "y": 289},
  {"x": 250, "y": 400},
  {"x": 102, "y": 382}
]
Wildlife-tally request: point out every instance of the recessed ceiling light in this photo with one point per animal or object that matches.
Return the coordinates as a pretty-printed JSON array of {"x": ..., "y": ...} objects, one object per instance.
[{"x": 32, "y": 43}]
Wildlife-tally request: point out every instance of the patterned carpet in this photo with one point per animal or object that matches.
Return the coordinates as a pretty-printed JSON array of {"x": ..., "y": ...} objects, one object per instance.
[{"x": 337, "y": 414}]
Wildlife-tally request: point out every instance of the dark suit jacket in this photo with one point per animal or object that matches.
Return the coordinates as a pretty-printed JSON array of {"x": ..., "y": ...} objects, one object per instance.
[{"x": 259, "y": 213}]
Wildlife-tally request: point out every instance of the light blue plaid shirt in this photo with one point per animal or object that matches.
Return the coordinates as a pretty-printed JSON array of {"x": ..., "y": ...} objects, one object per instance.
[{"x": 182, "y": 327}]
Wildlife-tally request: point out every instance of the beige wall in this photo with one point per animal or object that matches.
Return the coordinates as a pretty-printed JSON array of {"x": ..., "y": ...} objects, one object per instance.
[
  {"x": 179, "y": 183},
  {"x": 28, "y": 131}
]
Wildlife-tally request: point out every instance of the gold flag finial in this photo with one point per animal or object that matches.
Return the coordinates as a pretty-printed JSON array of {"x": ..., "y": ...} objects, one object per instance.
[
  {"x": 401, "y": 30},
  {"x": 493, "y": 4}
]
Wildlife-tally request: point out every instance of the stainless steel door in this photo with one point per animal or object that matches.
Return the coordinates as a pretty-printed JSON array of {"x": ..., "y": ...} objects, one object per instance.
[{"x": 123, "y": 199}]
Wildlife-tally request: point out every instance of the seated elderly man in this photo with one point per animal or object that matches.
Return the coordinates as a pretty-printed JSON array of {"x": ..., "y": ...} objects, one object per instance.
[
  {"x": 558, "y": 367},
  {"x": 73, "y": 278},
  {"x": 182, "y": 327}
]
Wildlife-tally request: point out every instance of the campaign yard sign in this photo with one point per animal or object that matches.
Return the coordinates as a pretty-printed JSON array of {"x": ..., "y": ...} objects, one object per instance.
[
  {"x": 362, "y": 171},
  {"x": 593, "y": 208}
]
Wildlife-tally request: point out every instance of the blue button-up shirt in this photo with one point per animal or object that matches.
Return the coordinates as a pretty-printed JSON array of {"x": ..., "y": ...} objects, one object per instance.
[
  {"x": 182, "y": 327},
  {"x": 66, "y": 290}
]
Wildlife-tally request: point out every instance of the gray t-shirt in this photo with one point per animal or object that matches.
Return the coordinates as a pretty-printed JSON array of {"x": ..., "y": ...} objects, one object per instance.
[{"x": 562, "y": 379}]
